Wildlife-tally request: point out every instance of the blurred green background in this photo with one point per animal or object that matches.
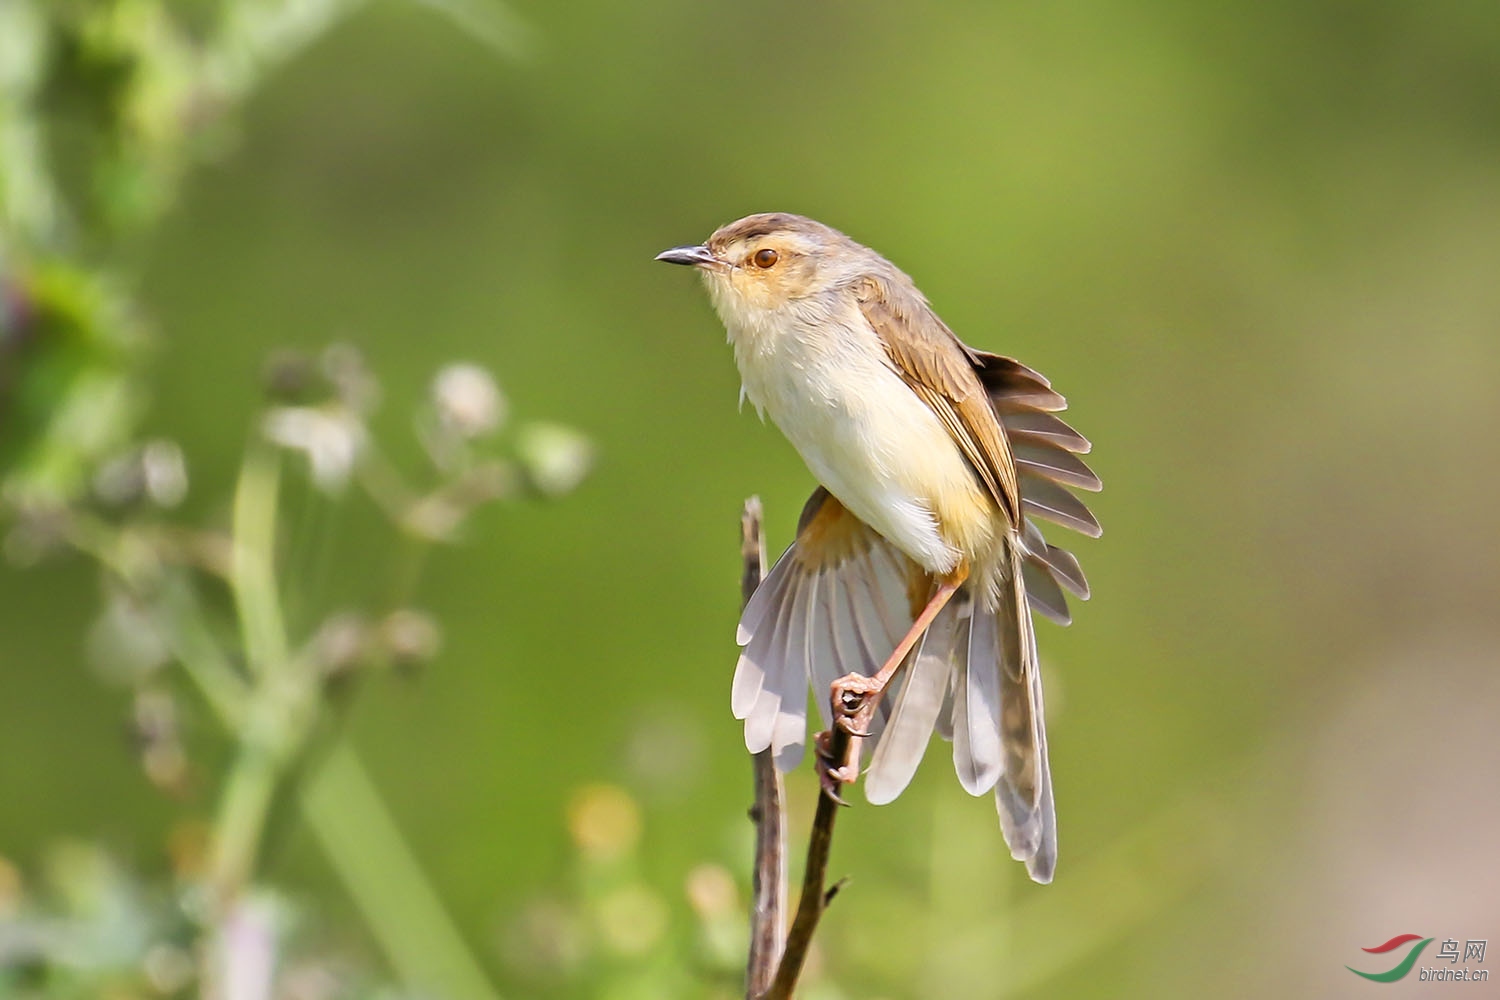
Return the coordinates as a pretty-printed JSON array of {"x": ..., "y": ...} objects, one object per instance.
[{"x": 1257, "y": 247}]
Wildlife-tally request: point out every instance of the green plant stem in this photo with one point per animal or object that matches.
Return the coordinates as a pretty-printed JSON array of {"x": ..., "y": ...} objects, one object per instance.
[
  {"x": 243, "y": 808},
  {"x": 281, "y": 701},
  {"x": 360, "y": 838},
  {"x": 342, "y": 807},
  {"x": 194, "y": 646},
  {"x": 253, "y": 573}
]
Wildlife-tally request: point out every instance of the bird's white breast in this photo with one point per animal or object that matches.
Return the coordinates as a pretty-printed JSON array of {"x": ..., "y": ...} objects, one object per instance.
[{"x": 820, "y": 372}]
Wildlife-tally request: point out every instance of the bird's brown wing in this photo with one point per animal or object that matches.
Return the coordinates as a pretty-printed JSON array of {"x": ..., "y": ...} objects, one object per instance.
[
  {"x": 942, "y": 372},
  {"x": 997, "y": 722},
  {"x": 1048, "y": 468}
]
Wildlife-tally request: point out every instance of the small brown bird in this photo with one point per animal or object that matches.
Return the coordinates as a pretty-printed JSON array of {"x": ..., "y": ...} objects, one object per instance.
[{"x": 919, "y": 548}]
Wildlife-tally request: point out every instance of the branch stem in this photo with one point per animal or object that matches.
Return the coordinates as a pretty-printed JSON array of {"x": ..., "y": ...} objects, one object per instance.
[
  {"x": 774, "y": 968},
  {"x": 769, "y": 877},
  {"x": 815, "y": 892}
]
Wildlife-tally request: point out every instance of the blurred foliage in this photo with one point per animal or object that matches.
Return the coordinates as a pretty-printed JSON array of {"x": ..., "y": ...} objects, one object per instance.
[
  {"x": 104, "y": 107},
  {"x": 1255, "y": 247},
  {"x": 66, "y": 361}
]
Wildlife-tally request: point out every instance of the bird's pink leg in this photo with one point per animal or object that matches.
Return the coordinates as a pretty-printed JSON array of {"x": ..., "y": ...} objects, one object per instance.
[{"x": 857, "y": 697}]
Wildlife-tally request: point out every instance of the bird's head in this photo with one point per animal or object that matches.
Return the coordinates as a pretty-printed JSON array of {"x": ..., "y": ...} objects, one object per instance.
[{"x": 763, "y": 262}]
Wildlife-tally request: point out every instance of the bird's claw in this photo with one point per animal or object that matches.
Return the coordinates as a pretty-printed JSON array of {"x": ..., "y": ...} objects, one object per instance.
[
  {"x": 854, "y": 699},
  {"x": 830, "y": 786},
  {"x": 832, "y": 773}
]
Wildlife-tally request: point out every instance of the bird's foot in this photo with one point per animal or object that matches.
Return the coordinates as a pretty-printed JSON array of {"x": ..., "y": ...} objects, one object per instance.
[
  {"x": 837, "y": 762},
  {"x": 855, "y": 698}
]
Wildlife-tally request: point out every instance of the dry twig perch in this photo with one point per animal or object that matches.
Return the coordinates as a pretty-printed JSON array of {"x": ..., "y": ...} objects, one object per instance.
[{"x": 767, "y": 953}]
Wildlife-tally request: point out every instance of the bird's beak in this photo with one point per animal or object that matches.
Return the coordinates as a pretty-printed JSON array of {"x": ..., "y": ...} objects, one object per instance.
[{"x": 698, "y": 255}]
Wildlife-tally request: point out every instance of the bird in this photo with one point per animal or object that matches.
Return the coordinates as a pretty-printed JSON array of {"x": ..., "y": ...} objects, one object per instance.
[{"x": 906, "y": 598}]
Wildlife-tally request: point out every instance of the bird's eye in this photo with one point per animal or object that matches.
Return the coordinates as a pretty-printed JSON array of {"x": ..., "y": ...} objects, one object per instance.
[{"x": 765, "y": 258}]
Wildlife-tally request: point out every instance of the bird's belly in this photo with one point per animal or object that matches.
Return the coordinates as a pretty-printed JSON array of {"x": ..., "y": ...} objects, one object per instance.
[{"x": 879, "y": 449}]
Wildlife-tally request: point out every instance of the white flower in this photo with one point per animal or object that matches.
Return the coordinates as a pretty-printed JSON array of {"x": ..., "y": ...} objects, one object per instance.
[
  {"x": 556, "y": 457},
  {"x": 467, "y": 400},
  {"x": 165, "y": 472},
  {"x": 331, "y": 438}
]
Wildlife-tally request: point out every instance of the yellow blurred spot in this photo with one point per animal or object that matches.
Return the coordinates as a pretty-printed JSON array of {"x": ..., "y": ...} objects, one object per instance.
[
  {"x": 187, "y": 847},
  {"x": 604, "y": 821},
  {"x": 631, "y": 920},
  {"x": 711, "y": 891},
  {"x": 168, "y": 968},
  {"x": 10, "y": 888}
]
